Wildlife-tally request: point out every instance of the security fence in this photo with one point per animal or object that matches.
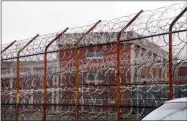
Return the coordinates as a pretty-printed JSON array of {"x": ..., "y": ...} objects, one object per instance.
[{"x": 119, "y": 69}]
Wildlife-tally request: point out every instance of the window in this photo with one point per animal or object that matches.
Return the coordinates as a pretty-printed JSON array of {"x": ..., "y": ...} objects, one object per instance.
[
  {"x": 5, "y": 100},
  {"x": 55, "y": 79},
  {"x": 99, "y": 100},
  {"x": 93, "y": 100},
  {"x": 12, "y": 101},
  {"x": 88, "y": 100},
  {"x": 5, "y": 85},
  {"x": 38, "y": 101},
  {"x": 91, "y": 54},
  {"x": 38, "y": 70},
  {"x": 38, "y": 98},
  {"x": 158, "y": 73},
  {"x": 25, "y": 101},
  {"x": 25, "y": 70},
  {"x": 145, "y": 73},
  {"x": 94, "y": 77},
  {"x": 14, "y": 84},
  {"x": 182, "y": 71},
  {"x": 110, "y": 76},
  {"x": 91, "y": 76}
]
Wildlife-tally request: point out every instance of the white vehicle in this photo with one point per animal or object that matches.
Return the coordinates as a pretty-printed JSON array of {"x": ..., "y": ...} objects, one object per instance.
[{"x": 175, "y": 109}]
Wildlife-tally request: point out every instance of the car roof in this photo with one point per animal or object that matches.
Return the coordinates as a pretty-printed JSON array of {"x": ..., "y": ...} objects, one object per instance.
[{"x": 184, "y": 99}]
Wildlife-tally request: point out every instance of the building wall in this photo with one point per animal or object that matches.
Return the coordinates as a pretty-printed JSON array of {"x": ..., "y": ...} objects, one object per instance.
[{"x": 32, "y": 83}]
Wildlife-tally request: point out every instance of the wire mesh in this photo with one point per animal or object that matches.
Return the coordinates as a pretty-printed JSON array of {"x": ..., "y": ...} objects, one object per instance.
[{"x": 144, "y": 82}]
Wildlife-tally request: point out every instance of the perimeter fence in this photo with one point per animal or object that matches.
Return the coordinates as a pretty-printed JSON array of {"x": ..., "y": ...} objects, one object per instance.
[{"x": 119, "y": 69}]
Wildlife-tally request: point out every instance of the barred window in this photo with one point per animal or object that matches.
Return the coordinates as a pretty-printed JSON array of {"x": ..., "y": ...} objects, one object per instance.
[
  {"x": 95, "y": 76},
  {"x": 93, "y": 100},
  {"x": 96, "y": 54}
]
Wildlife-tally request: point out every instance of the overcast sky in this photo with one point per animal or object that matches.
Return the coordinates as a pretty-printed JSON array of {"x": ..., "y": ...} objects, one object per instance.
[{"x": 21, "y": 20}]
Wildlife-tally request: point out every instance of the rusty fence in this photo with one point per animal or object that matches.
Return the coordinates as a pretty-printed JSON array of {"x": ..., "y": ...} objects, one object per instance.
[{"x": 111, "y": 70}]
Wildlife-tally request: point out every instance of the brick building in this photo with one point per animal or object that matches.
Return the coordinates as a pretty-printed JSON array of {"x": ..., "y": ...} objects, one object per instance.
[{"x": 140, "y": 61}]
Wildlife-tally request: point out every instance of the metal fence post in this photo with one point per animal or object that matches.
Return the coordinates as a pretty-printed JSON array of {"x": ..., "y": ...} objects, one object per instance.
[
  {"x": 118, "y": 63},
  {"x": 170, "y": 54},
  {"x": 45, "y": 73},
  {"x": 8, "y": 46},
  {"x": 18, "y": 77},
  {"x": 77, "y": 67}
]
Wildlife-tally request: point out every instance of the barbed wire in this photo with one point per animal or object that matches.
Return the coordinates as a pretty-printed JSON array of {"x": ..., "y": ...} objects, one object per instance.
[{"x": 143, "y": 73}]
